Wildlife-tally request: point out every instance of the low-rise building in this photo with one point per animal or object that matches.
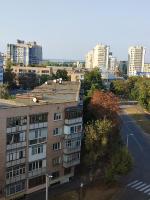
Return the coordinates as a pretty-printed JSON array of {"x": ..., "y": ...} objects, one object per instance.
[{"x": 40, "y": 134}]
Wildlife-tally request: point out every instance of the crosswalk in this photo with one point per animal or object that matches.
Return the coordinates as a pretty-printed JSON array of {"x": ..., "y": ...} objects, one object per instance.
[{"x": 140, "y": 186}]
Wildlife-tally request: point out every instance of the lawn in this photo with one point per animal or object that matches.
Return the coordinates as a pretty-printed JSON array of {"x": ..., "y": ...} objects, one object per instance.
[{"x": 94, "y": 192}]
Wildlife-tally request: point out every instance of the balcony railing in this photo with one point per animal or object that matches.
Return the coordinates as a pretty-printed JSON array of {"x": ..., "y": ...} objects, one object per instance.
[
  {"x": 15, "y": 162},
  {"x": 73, "y": 121},
  {"x": 16, "y": 145},
  {"x": 72, "y": 136},
  {"x": 37, "y": 172},
  {"x": 71, "y": 163},
  {"x": 15, "y": 179},
  {"x": 71, "y": 150}
]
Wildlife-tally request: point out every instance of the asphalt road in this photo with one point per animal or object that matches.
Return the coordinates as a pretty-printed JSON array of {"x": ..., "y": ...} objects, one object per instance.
[{"x": 136, "y": 186}]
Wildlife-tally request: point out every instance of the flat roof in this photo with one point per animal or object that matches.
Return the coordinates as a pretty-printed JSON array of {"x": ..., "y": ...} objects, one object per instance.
[{"x": 48, "y": 93}]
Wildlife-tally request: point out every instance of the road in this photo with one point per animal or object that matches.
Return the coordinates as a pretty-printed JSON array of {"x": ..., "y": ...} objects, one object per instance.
[{"x": 137, "y": 183}]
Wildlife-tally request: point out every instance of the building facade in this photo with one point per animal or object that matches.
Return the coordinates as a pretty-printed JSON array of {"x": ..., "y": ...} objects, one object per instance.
[
  {"x": 40, "y": 134},
  {"x": 112, "y": 63},
  {"x": 98, "y": 57},
  {"x": 136, "y": 57},
  {"x": 1, "y": 68},
  {"x": 24, "y": 53}
]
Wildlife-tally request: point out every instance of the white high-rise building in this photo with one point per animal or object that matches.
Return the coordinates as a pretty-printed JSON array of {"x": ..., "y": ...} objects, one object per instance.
[
  {"x": 1, "y": 68},
  {"x": 112, "y": 63},
  {"x": 136, "y": 57},
  {"x": 89, "y": 60},
  {"x": 98, "y": 57},
  {"x": 24, "y": 53}
]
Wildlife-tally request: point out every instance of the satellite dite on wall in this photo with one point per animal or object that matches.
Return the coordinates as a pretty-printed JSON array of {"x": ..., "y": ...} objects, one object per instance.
[{"x": 35, "y": 100}]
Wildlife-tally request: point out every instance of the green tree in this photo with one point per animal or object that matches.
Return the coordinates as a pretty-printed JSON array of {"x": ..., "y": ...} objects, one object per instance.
[
  {"x": 96, "y": 141},
  {"x": 28, "y": 80},
  {"x": 62, "y": 73},
  {"x": 92, "y": 81},
  {"x": 4, "y": 94},
  {"x": 9, "y": 76}
]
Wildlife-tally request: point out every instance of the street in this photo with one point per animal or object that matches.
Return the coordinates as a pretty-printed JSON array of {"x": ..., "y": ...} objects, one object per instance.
[{"x": 136, "y": 186}]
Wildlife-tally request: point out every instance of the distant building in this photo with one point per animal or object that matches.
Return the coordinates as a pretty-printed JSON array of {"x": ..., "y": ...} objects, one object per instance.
[
  {"x": 136, "y": 57},
  {"x": 123, "y": 65},
  {"x": 1, "y": 68},
  {"x": 24, "y": 53},
  {"x": 112, "y": 63},
  {"x": 98, "y": 57},
  {"x": 89, "y": 60}
]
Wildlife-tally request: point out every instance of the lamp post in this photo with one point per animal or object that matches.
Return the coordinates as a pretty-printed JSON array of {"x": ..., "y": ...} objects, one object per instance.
[
  {"x": 48, "y": 178},
  {"x": 128, "y": 138},
  {"x": 81, "y": 188}
]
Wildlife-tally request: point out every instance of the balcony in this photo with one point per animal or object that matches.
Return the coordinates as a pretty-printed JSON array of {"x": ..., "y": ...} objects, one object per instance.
[
  {"x": 73, "y": 115},
  {"x": 15, "y": 179},
  {"x": 15, "y": 162},
  {"x": 37, "y": 172},
  {"x": 73, "y": 121},
  {"x": 71, "y": 150},
  {"x": 71, "y": 163},
  {"x": 72, "y": 136},
  {"x": 16, "y": 145}
]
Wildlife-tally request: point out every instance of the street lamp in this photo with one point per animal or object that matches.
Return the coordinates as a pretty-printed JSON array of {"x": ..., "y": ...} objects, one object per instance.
[
  {"x": 48, "y": 178},
  {"x": 81, "y": 188},
  {"x": 128, "y": 138}
]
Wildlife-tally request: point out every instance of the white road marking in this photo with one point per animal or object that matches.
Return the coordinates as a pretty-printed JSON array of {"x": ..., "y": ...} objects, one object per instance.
[
  {"x": 142, "y": 189},
  {"x": 133, "y": 186},
  {"x": 140, "y": 186},
  {"x": 132, "y": 183},
  {"x": 147, "y": 190}
]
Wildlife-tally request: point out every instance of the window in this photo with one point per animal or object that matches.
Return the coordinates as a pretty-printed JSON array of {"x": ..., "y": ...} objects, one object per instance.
[
  {"x": 16, "y": 121},
  {"x": 36, "y": 181},
  {"x": 56, "y": 161},
  {"x": 36, "y": 165},
  {"x": 15, "y": 137},
  {"x": 14, "y": 171},
  {"x": 38, "y": 118},
  {"x": 57, "y": 146},
  {"x": 57, "y": 116},
  {"x": 55, "y": 175},
  {"x": 15, "y": 187},
  {"x": 75, "y": 129},
  {"x": 37, "y": 149},
  {"x": 57, "y": 131}
]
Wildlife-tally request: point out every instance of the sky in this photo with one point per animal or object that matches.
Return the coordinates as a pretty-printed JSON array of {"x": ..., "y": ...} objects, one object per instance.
[{"x": 68, "y": 29}]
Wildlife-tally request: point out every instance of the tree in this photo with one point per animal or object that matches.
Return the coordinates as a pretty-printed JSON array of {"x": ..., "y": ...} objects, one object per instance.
[
  {"x": 9, "y": 76},
  {"x": 4, "y": 94},
  {"x": 104, "y": 105},
  {"x": 119, "y": 87},
  {"x": 62, "y": 73},
  {"x": 92, "y": 81},
  {"x": 96, "y": 140},
  {"x": 28, "y": 80}
]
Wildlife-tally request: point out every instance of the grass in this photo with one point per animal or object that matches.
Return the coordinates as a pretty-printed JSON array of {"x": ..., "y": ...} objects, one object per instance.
[
  {"x": 139, "y": 116},
  {"x": 94, "y": 192}
]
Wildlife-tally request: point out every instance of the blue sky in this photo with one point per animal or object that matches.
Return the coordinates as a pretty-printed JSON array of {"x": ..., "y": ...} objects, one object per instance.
[{"x": 67, "y": 29}]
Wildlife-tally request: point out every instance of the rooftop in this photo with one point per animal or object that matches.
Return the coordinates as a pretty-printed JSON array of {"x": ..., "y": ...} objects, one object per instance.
[{"x": 50, "y": 92}]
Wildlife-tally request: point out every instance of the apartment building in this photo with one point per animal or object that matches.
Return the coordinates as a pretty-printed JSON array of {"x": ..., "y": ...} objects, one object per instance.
[
  {"x": 112, "y": 63},
  {"x": 23, "y": 53},
  {"x": 40, "y": 134},
  {"x": 89, "y": 60},
  {"x": 136, "y": 57},
  {"x": 1, "y": 68},
  {"x": 98, "y": 57}
]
